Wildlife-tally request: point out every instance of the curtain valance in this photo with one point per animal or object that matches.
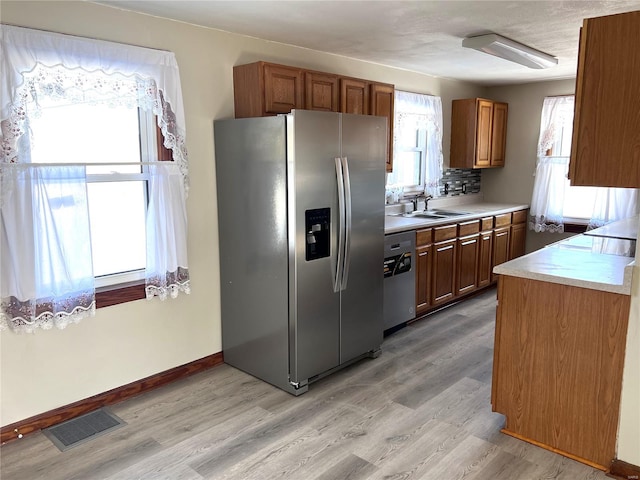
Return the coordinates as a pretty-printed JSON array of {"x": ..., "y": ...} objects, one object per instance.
[{"x": 35, "y": 61}]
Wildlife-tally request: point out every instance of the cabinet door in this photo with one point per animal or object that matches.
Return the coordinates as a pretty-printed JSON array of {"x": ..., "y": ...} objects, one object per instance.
[
  {"x": 354, "y": 96},
  {"x": 484, "y": 259},
  {"x": 467, "y": 264},
  {"x": 501, "y": 246},
  {"x": 606, "y": 127},
  {"x": 321, "y": 92},
  {"x": 282, "y": 89},
  {"x": 518, "y": 240},
  {"x": 499, "y": 134},
  {"x": 382, "y": 105},
  {"x": 484, "y": 134},
  {"x": 444, "y": 269},
  {"x": 423, "y": 279}
]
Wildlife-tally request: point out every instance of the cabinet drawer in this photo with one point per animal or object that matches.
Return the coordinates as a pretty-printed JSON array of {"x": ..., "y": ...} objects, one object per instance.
[
  {"x": 519, "y": 217},
  {"x": 445, "y": 233},
  {"x": 424, "y": 237},
  {"x": 502, "y": 220},
  {"x": 468, "y": 228},
  {"x": 486, "y": 224}
]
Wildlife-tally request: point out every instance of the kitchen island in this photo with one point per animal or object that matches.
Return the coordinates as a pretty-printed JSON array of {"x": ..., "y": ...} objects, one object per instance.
[{"x": 561, "y": 327}]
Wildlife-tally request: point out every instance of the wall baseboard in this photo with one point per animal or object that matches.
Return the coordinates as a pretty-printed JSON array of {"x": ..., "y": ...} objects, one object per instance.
[
  {"x": 624, "y": 470},
  {"x": 44, "y": 420}
]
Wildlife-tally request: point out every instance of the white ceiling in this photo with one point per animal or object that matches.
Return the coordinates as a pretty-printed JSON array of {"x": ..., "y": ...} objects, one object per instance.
[{"x": 422, "y": 36}]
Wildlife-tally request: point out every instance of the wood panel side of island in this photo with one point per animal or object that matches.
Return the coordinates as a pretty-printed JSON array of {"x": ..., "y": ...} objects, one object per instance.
[{"x": 558, "y": 359}]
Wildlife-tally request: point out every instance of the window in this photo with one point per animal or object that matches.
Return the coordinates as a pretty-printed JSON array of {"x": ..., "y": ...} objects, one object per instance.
[
  {"x": 578, "y": 202},
  {"x": 555, "y": 201},
  {"x": 87, "y": 198},
  {"x": 417, "y": 143},
  {"x": 117, "y": 194}
]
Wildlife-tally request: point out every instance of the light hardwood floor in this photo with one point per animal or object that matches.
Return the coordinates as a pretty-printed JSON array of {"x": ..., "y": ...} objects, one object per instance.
[{"x": 419, "y": 411}]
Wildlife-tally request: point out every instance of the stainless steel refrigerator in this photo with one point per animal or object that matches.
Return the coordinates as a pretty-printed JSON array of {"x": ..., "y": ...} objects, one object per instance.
[{"x": 301, "y": 234}]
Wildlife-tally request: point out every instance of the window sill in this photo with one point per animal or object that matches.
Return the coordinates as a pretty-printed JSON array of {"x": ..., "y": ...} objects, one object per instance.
[
  {"x": 575, "y": 228},
  {"x": 122, "y": 293}
]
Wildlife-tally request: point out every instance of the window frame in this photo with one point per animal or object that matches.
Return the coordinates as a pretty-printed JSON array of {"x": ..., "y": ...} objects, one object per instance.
[
  {"x": 129, "y": 291},
  {"x": 421, "y": 148}
]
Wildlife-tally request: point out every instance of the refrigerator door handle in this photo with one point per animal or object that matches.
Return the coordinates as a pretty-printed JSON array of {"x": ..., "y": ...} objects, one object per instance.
[
  {"x": 347, "y": 216},
  {"x": 337, "y": 279}
]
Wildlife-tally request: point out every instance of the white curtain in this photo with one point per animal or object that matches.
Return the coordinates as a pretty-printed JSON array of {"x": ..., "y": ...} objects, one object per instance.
[
  {"x": 167, "y": 270},
  {"x": 47, "y": 273},
  {"x": 547, "y": 201},
  {"x": 418, "y": 111},
  {"x": 37, "y": 64},
  {"x": 612, "y": 204}
]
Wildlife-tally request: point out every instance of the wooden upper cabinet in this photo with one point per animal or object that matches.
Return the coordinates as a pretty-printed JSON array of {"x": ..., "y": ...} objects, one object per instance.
[
  {"x": 262, "y": 89},
  {"x": 321, "y": 92},
  {"x": 605, "y": 149},
  {"x": 354, "y": 96},
  {"x": 499, "y": 134},
  {"x": 478, "y": 133},
  {"x": 483, "y": 133},
  {"x": 382, "y": 105}
]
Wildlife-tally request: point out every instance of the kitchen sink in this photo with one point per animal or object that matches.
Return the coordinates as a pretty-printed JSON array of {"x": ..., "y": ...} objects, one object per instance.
[
  {"x": 449, "y": 213},
  {"x": 419, "y": 214},
  {"x": 431, "y": 214}
]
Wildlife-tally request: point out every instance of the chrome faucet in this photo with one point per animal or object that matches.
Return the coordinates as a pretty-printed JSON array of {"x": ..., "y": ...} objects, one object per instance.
[
  {"x": 418, "y": 197},
  {"x": 426, "y": 201}
]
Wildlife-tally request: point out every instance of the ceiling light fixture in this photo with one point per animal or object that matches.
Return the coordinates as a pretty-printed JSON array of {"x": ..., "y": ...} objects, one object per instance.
[{"x": 511, "y": 50}]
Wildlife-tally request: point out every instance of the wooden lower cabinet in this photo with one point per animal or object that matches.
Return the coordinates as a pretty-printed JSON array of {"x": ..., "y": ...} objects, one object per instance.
[
  {"x": 444, "y": 267},
  {"x": 423, "y": 279},
  {"x": 518, "y": 240},
  {"x": 485, "y": 264},
  {"x": 466, "y": 278},
  {"x": 557, "y": 370},
  {"x": 457, "y": 259},
  {"x": 501, "y": 247}
]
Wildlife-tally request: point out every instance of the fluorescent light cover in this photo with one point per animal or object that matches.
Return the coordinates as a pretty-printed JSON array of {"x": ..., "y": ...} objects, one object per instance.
[{"x": 502, "y": 47}]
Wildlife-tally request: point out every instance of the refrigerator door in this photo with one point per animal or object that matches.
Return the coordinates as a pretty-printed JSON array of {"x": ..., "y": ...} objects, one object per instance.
[
  {"x": 313, "y": 143},
  {"x": 251, "y": 174},
  {"x": 363, "y": 153}
]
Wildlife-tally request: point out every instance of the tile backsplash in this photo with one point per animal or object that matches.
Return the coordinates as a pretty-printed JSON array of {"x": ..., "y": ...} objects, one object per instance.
[{"x": 459, "y": 181}]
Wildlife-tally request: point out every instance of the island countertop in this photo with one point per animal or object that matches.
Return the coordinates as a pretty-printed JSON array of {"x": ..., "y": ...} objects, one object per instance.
[{"x": 585, "y": 261}]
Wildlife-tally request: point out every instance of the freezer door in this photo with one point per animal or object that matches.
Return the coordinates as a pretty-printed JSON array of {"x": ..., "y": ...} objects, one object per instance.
[
  {"x": 363, "y": 151},
  {"x": 313, "y": 143}
]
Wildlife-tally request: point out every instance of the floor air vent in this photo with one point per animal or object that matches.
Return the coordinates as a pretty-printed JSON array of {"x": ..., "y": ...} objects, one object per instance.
[{"x": 81, "y": 429}]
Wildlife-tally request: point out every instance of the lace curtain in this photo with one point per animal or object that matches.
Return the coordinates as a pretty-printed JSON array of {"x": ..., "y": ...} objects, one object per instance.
[
  {"x": 551, "y": 185},
  {"x": 551, "y": 172},
  {"x": 47, "y": 277},
  {"x": 418, "y": 111}
]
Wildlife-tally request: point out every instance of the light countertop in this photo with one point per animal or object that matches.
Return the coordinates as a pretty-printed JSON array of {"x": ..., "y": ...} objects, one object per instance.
[
  {"x": 627, "y": 228},
  {"x": 581, "y": 261},
  {"x": 478, "y": 209}
]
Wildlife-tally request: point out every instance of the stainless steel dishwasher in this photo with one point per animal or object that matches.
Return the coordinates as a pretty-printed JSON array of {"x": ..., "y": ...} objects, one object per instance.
[{"x": 399, "y": 278}]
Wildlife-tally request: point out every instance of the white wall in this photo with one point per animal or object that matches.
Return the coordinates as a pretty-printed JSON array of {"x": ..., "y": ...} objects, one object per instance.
[{"x": 128, "y": 342}]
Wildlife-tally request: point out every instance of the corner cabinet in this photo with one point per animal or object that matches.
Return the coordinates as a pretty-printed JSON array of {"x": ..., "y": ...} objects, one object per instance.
[
  {"x": 261, "y": 89},
  {"x": 605, "y": 149},
  {"x": 478, "y": 133}
]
